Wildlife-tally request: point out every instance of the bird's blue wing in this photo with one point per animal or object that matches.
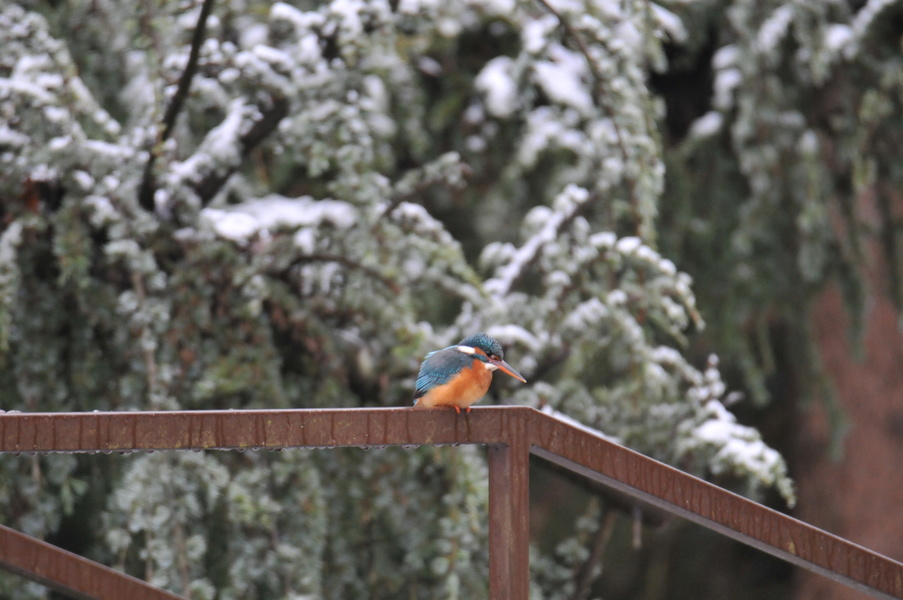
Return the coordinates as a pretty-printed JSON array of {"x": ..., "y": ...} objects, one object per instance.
[{"x": 438, "y": 368}]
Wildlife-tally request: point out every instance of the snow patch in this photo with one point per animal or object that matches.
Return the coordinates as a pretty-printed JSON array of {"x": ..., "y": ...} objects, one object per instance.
[
  {"x": 535, "y": 34},
  {"x": 837, "y": 36},
  {"x": 10, "y": 239},
  {"x": 669, "y": 22},
  {"x": 242, "y": 221},
  {"x": 707, "y": 125},
  {"x": 628, "y": 244},
  {"x": 725, "y": 57},
  {"x": 562, "y": 79},
  {"x": 774, "y": 29},
  {"x": 515, "y": 334},
  {"x": 498, "y": 87},
  {"x": 725, "y": 82}
]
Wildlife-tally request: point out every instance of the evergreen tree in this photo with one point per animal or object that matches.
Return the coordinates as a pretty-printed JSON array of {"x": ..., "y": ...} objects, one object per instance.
[{"x": 244, "y": 204}]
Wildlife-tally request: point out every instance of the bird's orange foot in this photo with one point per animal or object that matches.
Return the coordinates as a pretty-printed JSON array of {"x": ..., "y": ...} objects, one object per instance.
[
  {"x": 467, "y": 410},
  {"x": 457, "y": 408}
]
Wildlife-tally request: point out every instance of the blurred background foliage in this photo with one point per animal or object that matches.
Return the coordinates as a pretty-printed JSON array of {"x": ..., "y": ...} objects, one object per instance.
[{"x": 243, "y": 204}]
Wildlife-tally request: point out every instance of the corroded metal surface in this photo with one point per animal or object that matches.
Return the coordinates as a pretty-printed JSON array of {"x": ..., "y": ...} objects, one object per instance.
[
  {"x": 509, "y": 514},
  {"x": 249, "y": 429},
  {"x": 69, "y": 573},
  {"x": 678, "y": 493},
  {"x": 509, "y": 432}
]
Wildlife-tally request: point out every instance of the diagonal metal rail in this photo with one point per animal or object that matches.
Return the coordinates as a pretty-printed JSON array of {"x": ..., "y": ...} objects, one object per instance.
[
  {"x": 70, "y": 573},
  {"x": 512, "y": 433}
]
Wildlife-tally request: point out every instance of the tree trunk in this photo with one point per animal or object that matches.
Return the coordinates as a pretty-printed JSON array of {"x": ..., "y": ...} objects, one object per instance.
[{"x": 860, "y": 495}]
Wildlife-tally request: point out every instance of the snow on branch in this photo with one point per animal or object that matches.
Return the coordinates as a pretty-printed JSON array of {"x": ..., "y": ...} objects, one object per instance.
[
  {"x": 569, "y": 203},
  {"x": 146, "y": 191}
]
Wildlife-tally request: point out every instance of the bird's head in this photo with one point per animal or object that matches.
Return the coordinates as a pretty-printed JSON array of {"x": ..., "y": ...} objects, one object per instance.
[{"x": 488, "y": 351}]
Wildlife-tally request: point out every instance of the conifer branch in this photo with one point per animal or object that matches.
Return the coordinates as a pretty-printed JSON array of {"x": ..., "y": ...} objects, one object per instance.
[
  {"x": 350, "y": 263},
  {"x": 602, "y": 537},
  {"x": 211, "y": 184},
  {"x": 148, "y": 182},
  {"x": 598, "y": 94}
]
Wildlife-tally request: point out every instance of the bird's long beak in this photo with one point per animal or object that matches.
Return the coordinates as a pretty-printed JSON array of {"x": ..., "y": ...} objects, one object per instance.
[{"x": 506, "y": 368}]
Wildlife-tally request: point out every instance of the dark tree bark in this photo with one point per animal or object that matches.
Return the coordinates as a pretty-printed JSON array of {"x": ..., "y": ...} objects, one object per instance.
[{"x": 859, "y": 496}]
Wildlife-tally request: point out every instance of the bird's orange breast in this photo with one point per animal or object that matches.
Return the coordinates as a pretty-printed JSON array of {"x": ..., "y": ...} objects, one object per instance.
[{"x": 462, "y": 390}]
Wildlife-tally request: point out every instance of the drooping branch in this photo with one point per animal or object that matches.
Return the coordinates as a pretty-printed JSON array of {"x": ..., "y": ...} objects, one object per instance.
[
  {"x": 587, "y": 572},
  {"x": 413, "y": 184},
  {"x": 511, "y": 274},
  {"x": 208, "y": 186},
  {"x": 598, "y": 94},
  {"x": 347, "y": 262},
  {"x": 148, "y": 182},
  {"x": 197, "y": 38}
]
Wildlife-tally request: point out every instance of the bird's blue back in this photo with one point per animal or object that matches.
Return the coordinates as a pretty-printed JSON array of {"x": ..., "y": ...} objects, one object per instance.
[{"x": 439, "y": 367}]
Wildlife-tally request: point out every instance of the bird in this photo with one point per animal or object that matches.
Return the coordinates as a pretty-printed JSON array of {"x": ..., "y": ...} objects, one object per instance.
[{"x": 458, "y": 376}]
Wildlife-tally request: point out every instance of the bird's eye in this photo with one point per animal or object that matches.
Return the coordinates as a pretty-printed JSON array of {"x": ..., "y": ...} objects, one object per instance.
[{"x": 493, "y": 357}]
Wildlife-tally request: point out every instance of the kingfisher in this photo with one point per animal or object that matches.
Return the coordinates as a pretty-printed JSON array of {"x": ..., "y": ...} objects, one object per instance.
[{"x": 459, "y": 375}]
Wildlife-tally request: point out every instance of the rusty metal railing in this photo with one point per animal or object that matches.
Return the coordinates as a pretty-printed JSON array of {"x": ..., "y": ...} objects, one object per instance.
[{"x": 512, "y": 433}]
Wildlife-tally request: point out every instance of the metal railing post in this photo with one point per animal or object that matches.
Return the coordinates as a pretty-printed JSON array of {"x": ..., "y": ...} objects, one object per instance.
[{"x": 509, "y": 518}]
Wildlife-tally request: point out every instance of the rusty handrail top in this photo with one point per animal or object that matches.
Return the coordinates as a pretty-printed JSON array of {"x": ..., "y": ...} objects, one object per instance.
[
  {"x": 252, "y": 429},
  {"x": 551, "y": 438}
]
